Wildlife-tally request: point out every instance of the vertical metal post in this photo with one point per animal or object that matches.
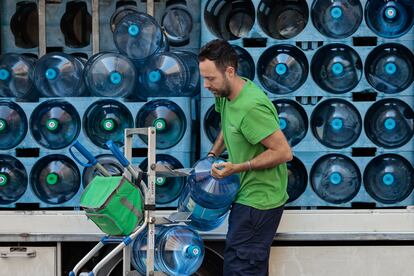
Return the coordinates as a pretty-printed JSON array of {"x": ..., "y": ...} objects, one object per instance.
[
  {"x": 150, "y": 7},
  {"x": 42, "y": 27},
  {"x": 128, "y": 154},
  {"x": 95, "y": 26},
  {"x": 150, "y": 200}
]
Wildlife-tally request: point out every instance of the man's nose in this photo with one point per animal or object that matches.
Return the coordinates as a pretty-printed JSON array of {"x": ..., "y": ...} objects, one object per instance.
[{"x": 206, "y": 84}]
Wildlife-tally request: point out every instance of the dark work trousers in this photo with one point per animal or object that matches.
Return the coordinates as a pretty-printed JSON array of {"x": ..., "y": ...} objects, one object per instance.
[{"x": 249, "y": 238}]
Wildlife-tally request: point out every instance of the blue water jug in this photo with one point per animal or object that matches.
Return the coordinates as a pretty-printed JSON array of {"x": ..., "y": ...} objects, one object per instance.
[
  {"x": 171, "y": 74},
  {"x": 138, "y": 36},
  {"x": 110, "y": 75},
  {"x": 17, "y": 76},
  {"x": 55, "y": 179},
  {"x": 293, "y": 120},
  {"x": 297, "y": 179},
  {"x": 13, "y": 179},
  {"x": 282, "y": 69},
  {"x": 106, "y": 120},
  {"x": 167, "y": 189},
  {"x": 335, "y": 178},
  {"x": 212, "y": 124},
  {"x": 389, "y": 68},
  {"x": 245, "y": 63},
  {"x": 336, "y": 68},
  {"x": 55, "y": 124},
  {"x": 208, "y": 198},
  {"x": 389, "y": 18},
  {"x": 337, "y": 18},
  {"x": 60, "y": 75},
  {"x": 336, "y": 123},
  {"x": 179, "y": 250},
  {"x": 109, "y": 162},
  {"x": 283, "y": 19},
  {"x": 389, "y": 178},
  {"x": 168, "y": 119},
  {"x": 177, "y": 23},
  {"x": 389, "y": 123},
  {"x": 13, "y": 125}
]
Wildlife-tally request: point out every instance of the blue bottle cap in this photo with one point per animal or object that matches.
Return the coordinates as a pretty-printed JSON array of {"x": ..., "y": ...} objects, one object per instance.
[
  {"x": 337, "y": 68},
  {"x": 115, "y": 77},
  {"x": 160, "y": 124},
  {"x": 3, "y": 179},
  {"x": 154, "y": 76},
  {"x": 336, "y": 12},
  {"x": 281, "y": 69},
  {"x": 4, "y": 74},
  {"x": 390, "y": 12},
  {"x": 337, "y": 124},
  {"x": 390, "y": 68},
  {"x": 388, "y": 179},
  {"x": 335, "y": 178},
  {"x": 283, "y": 123},
  {"x": 390, "y": 123},
  {"x": 133, "y": 30},
  {"x": 51, "y": 74},
  {"x": 193, "y": 251},
  {"x": 3, "y": 125}
]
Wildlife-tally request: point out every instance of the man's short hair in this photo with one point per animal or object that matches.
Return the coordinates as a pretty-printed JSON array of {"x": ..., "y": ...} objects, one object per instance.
[{"x": 221, "y": 53}]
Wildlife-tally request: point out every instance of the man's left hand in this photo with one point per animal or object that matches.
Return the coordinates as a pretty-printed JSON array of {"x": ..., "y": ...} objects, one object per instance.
[{"x": 221, "y": 170}]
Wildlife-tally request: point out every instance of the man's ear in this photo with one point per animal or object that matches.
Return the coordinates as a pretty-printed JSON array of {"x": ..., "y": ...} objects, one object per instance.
[{"x": 230, "y": 72}]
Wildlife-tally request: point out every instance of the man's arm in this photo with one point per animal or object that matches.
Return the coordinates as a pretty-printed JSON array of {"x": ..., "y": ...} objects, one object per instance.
[{"x": 218, "y": 146}]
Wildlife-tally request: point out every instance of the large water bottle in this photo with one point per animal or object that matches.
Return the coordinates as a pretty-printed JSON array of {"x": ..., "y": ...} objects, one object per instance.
[
  {"x": 389, "y": 18},
  {"x": 60, "y": 75},
  {"x": 168, "y": 119},
  {"x": 389, "y": 178},
  {"x": 13, "y": 179},
  {"x": 292, "y": 119},
  {"x": 171, "y": 74},
  {"x": 106, "y": 120},
  {"x": 336, "y": 68},
  {"x": 212, "y": 124},
  {"x": 13, "y": 125},
  {"x": 109, "y": 162},
  {"x": 55, "y": 124},
  {"x": 55, "y": 179},
  {"x": 245, "y": 63},
  {"x": 297, "y": 179},
  {"x": 282, "y": 19},
  {"x": 167, "y": 189},
  {"x": 389, "y": 123},
  {"x": 110, "y": 75},
  {"x": 179, "y": 250},
  {"x": 336, "y": 123},
  {"x": 231, "y": 19},
  {"x": 16, "y": 76},
  {"x": 282, "y": 68},
  {"x": 177, "y": 24},
  {"x": 337, "y": 18},
  {"x": 207, "y": 198},
  {"x": 138, "y": 36},
  {"x": 335, "y": 178},
  {"x": 389, "y": 68}
]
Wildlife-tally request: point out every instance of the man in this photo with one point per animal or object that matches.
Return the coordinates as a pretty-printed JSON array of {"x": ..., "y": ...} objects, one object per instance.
[{"x": 257, "y": 150}]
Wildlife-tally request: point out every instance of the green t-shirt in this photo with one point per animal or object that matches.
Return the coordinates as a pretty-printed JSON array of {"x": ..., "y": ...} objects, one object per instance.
[{"x": 245, "y": 121}]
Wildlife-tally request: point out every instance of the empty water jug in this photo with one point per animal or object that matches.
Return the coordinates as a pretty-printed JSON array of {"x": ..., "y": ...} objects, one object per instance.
[
  {"x": 13, "y": 179},
  {"x": 336, "y": 123},
  {"x": 335, "y": 178},
  {"x": 389, "y": 18},
  {"x": 16, "y": 76},
  {"x": 109, "y": 162},
  {"x": 110, "y": 75},
  {"x": 389, "y": 68},
  {"x": 282, "y": 19},
  {"x": 282, "y": 69},
  {"x": 389, "y": 123},
  {"x": 106, "y": 120},
  {"x": 207, "y": 198},
  {"x": 337, "y": 18},
  {"x": 336, "y": 68},
  {"x": 167, "y": 189},
  {"x": 13, "y": 125},
  {"x": 389, "y": 178},
  {"x": 55, "y": 124},
  {"x": 231, "y": 19},
  {"x": 245, "y": 63},
  {"x": 297, "y": 179},
  {"x": 55, "y": 179},
  {"x": 179, "y": 250},
  {"x": 293, "y": 120},
  {"x": 171, "y": 74},
  {"x": 60, "y": 75},
  {"x": 177, "y": 23},
  {"x": 168, "y": 119},
  {"x": 212, "y": 124}
]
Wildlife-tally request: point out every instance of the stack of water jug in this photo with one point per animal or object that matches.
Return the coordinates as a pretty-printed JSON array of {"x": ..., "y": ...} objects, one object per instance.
[{"x": 340, "y": 73}]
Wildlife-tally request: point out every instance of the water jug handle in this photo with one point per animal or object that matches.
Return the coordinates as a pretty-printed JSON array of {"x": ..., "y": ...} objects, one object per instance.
[
  {"x": 117, "y": 153},
  {"x": 91, "y": 159}
]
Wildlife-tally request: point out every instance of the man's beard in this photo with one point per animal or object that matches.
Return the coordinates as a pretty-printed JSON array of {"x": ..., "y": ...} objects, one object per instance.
[{"x": 225, "y": 92}]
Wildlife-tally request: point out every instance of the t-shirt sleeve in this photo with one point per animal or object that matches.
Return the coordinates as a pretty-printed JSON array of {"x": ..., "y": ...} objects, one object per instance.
[{"x": 259, "y": 123}]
